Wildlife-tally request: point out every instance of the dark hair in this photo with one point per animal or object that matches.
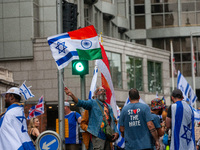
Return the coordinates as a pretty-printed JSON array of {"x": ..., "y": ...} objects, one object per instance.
[
  {"x": 134, "y": 94},
  {"x": 17, "y": 97}
]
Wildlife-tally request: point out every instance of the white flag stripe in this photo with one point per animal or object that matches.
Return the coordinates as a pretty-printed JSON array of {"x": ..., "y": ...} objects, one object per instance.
[
  {"x": 104, "y": 70},
  {"x": 93, "y": 83}
]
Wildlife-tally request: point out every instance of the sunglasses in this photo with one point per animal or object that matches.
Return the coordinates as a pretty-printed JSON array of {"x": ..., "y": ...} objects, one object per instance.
[{"x": 102, "y": 90}]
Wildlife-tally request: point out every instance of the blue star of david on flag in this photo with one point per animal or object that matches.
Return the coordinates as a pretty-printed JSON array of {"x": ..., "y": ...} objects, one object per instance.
[
  {"x": 21, "y": 119},
  {"x": 187, "y": 135},
  {"x": 61, "y": 47}
]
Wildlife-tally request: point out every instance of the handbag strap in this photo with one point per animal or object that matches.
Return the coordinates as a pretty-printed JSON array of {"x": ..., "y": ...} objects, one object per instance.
[{"x": 103, "y": 113}]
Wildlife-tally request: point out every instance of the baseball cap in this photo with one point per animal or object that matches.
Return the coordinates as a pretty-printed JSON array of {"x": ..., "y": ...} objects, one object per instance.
[
  {"x": 177, "y": 93},
  {"x": 157, "y": 103},
  {"x": 13, "y": 90},
  {"x": 66, "y": 103}
]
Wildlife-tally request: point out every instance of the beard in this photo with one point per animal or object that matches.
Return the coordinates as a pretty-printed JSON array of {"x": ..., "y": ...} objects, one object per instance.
[{"x": 101, "y": 97}]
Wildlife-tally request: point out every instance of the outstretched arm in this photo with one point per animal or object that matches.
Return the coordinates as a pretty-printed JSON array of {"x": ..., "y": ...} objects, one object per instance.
[{"x": 69, "y": 93}]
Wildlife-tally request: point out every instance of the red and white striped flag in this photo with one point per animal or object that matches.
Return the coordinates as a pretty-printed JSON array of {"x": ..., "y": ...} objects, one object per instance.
[{"x": 103, "y": 66}]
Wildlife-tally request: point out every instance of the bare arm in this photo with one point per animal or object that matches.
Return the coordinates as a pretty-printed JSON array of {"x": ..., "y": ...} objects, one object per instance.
[
  {"x": 168, "y": 122},
  {"x": 69, "y": 93},
  {"x": 36, "y": 132},
  {"x": 122, "y": 130},
  {"x": 154, "y": 133}
]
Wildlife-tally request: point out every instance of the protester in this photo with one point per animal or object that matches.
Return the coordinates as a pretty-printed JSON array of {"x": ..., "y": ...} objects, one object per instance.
[
  {"x": 13, "y": 127},
  {"x": 96, "y": 125},
  {"x": 180, "y": 118},
  {"x": 157, "y": 107},
  {"x": 136, "y": 124},
  {"x": 72, "y": 142},
  {"x": 33, "y": 128},
  {"x": 156, "y": 111}
]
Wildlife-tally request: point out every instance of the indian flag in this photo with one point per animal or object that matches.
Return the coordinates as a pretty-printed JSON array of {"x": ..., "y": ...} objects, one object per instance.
[{"x": 80, "y": 44}]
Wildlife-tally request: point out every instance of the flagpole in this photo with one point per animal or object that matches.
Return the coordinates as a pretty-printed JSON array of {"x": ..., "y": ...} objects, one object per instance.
[
  {"x": 60, "y": 79},
  {"x": 193, "y": 71},
  {"x": 172, "y": 68}
]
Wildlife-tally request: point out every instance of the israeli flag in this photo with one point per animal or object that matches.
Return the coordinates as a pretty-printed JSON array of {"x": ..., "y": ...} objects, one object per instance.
[
  {"x": 13, "y": 130},
  {"x": 186, "y": 89},
  {"x": 196, "y": 114},
  {"x": 93, "y": 83},
  {"x": 26, "y": 92},
  {"x": 183, "y": 136}
]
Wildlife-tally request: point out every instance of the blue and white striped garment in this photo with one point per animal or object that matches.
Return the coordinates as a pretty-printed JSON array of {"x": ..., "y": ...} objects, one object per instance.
[
  {"x": 13, "y": 130},
  {"x": 183, "y": 137}
]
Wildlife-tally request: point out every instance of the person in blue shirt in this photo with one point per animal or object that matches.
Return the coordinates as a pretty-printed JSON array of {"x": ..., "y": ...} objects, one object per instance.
[
  {"x": 72, "y": 141},
  {"x": 136, "y": 124},
  {"x": 96, "y": 125}
]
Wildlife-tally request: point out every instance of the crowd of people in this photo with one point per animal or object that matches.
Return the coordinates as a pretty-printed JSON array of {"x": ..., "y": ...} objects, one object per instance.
[{"x": 140, "y": 125}]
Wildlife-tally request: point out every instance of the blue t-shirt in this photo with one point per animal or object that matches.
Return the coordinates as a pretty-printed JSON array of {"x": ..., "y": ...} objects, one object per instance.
[
  {"x": 73, "y": 128},
  {"x": 156, "y": 121},
  {"x": 134, "y": 118}
]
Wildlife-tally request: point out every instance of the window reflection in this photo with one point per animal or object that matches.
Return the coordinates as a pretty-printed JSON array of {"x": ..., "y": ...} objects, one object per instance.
[
  {"x": 115, "y": 68},
  {"x": 157, "y": 20},
  {"x": 139, "y": 22},
  {"x": 182, "y": 51},
  {"x": 154, "y": 76},
  {"x": 134, "y": 73},
  {"x": 187, "y": 69}
]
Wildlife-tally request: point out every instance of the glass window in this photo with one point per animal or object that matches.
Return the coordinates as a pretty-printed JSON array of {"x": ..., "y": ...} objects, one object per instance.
[
  {"x": 175, "y": 44},
  {"x": 187, "y": 69},
  {"x": 171, "y": 19},
  {"x": 134, "y": 73},
  {"x": 170, "y": 1},
  {"x": 139, "y": 1},
  {"x": 154, "y": 76},
  {"x": 171, "y": 7},
  {"x": 157, "y": 20},
  {"x": 188, "y": 19},
  {"x": 157, "y": 8},
  {"x": 186, "y": 56},
  {"x": 185, "y": 43},
  {"x": 156, "y": 1},
  {"x": 198, "y": 6},
  {"x": 177, "y": 57},
  {"x": 115, "y": 68},
  {"x": 188, "y": 7},
  {"x": 139, "y": 22},
  {"x": 142, "y": 42},
  {"x": 139, "y": 9},
  {"x": 158, "y": 43},
  {"x": 198, "y": 18}
]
